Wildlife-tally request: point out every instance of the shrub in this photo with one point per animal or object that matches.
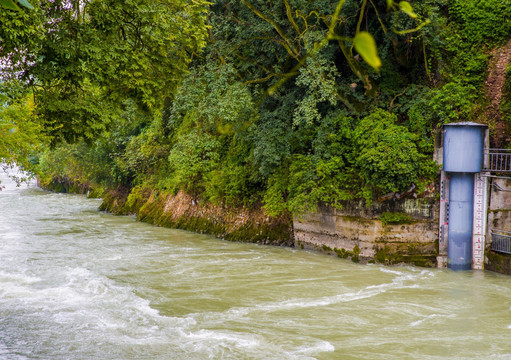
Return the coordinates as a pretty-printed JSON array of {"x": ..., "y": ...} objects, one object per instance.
[
  {"x": 193, "y": 155},
  {"x": 387, "y": 155}
]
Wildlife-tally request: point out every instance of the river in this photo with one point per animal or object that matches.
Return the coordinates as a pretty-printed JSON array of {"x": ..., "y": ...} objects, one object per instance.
[{"x": 76, "y": 283}]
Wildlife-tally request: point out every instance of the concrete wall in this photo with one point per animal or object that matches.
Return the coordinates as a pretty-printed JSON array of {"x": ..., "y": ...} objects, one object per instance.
[
  {"x": 499, "y": 218},
  {"x": 355, "y": 232},
  {"x": 499, "y": 215}
]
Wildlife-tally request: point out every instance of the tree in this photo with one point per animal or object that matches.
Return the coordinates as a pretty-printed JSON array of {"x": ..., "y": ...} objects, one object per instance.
[
  {"x": 277, "y": 38},
  {"x": 20, "y": 133},
  {"x": 84, "y": 58}
]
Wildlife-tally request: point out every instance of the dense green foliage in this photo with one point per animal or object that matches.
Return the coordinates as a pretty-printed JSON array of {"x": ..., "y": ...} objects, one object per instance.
[
  {"x": 21, "y": 135},
  {"x": 81, "y": 60},
  {"x": 250, "y": 102}
]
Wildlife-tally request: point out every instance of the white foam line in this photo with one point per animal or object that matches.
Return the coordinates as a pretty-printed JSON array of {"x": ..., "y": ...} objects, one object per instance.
[
  {"x": 241, "y": 340},
  {"x": 18, "y": 278},
  {"x": 429, "y": 317},
  {"x": 216, "y": 342},
  {"x": 320, "y": 346},
  {"x": 390, "y": 271},
  {"x": 367, "y": 292}
]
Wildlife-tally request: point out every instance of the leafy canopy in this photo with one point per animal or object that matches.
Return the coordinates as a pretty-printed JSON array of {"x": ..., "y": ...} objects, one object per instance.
[{"x": 83, "y": 59}]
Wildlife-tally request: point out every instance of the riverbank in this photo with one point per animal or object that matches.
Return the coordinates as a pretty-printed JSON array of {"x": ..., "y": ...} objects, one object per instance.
[{"x": 383, "y": 233}]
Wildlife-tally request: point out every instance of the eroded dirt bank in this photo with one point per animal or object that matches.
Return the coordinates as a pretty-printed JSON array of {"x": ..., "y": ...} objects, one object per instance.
[{"x": 182, "y": 211}]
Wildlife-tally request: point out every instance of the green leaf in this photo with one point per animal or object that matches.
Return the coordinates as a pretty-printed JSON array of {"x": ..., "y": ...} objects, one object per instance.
[
  {"x": 407, "y": 9},
  {"x": 26, "y": 4},
  {"x": 9, "y": 4},
  {"x": 390, "y": 3},
  {"x": 366, "y": 47}
]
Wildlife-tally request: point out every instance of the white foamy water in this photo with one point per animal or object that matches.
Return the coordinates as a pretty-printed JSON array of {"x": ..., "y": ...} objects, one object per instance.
[{"x": 79, "y": 284}]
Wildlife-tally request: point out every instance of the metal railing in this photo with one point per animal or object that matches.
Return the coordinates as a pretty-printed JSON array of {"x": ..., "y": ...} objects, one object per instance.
[
  {"x": 498, "y": 160},
  {"x": 501, "y": 241}
]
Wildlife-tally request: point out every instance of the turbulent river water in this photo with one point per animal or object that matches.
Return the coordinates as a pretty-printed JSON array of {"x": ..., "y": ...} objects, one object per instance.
[{"x": 76, "y": 283}]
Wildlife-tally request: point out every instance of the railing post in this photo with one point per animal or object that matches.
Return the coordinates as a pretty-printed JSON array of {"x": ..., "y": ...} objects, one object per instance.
[
  {"x": 501, "y": 241},
  {"x": 499, "y": 160}
]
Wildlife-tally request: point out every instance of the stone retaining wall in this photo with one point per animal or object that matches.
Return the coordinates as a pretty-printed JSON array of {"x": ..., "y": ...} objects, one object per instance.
[
  {"x": 499, "y": 218},
  {"x": 356, "y": 232}
]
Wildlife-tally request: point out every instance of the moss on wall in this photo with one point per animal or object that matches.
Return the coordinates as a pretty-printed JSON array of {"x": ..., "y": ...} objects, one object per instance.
[
  {"x": 407, "y": 254},
  {"x": 354, "y": 254},
  {"x": 66, "y": 185},
  {"x": 388, "y": 255},
  {"x": 114, "y": 201},
  {"x": 395, "y": 218},
  {"x": 497, "y": 262}
]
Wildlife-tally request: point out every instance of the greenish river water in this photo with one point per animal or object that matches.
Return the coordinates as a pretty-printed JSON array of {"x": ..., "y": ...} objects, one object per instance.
[{"x": 76, "y": 283}]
